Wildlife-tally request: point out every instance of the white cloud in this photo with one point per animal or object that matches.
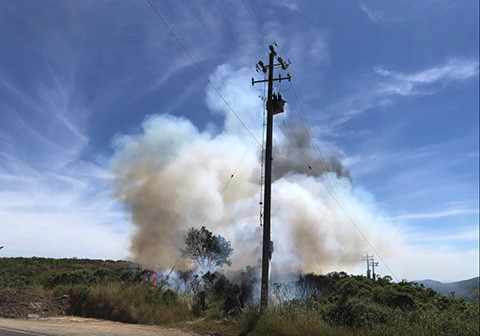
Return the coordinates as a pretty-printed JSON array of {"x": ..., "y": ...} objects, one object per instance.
[
  {"x": 443, "y": 263},
  {"x": 384, "y": 85},
  {"x": 470, "y": 233},
  {"x": 437, "y": 214},
  {"x": 52, "y": 202},
  {"x": 454, "y": 69},
  {"x": 412, "y": 261},
  {"x": 375, "y": 15},
  {"x": 66, "y": 213},
  {"x": 63, "y": 235},
  {"x": 292, "y": 5}
]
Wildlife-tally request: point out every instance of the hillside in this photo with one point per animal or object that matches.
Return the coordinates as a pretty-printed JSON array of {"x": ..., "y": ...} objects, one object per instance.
[
  {"x": 305, "y": 304},
  {"x": 465, "y": 289}
]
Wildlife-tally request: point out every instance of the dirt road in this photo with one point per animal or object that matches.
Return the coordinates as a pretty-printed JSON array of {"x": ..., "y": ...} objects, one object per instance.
[{"x": 77, "y": 326}]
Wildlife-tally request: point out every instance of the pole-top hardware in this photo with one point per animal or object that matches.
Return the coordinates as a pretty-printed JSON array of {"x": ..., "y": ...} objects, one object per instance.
[
  {"x": 283, "y": 64},
  {"x": 261, "y": 67},
  {"x": 272, "y": 49}
]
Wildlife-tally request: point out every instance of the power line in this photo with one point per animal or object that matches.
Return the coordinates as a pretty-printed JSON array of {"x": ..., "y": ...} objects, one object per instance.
[
  {"x": 295, "y": 146},
  {"x": 201, "y": 71},
  {"x": 218, "y": 197},
  {"x": 258, "y": 23},
  {"x": 234, "y": 30},
  {"x": 317, "y": 151},
  {"x": 302, "y": 156},
  {"x": 321, "y": 160}
]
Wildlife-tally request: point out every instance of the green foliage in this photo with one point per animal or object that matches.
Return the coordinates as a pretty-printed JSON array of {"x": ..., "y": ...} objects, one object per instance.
[
  {"x": 331, "y": 304},
  {"x": 28, "y": 273},
  {"x": 379, "y": 308}
]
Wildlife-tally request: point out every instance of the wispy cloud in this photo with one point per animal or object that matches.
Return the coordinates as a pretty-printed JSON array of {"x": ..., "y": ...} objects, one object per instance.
[
  {"x": 375, "y": 15},
  {"x": 53, "y": 201},
  {"x": 463, "y": 234},
  {"x": 378, "y": 89},
  {"x": 405, "y": 83},
  {"x": 290, "y": 4},
  {"x": 66, "y": 213},
  {"x": 426, "y": 159},
  {"x": 437, "y": 214}
]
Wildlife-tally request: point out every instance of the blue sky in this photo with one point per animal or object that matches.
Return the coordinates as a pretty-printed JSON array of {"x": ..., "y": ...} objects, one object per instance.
[{"x": 390, "y": 87}]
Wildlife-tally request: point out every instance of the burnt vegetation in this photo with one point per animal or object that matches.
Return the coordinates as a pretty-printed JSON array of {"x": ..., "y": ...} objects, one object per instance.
[{"x": 304, "y": 304}]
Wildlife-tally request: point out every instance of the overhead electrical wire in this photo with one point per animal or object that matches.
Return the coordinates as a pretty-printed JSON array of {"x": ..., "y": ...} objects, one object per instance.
[
  {"x": 335, "y": 198},
  {"x": 226, "y": 103},
  {"x": 201, "y": 71},
  {"x": 218, "y": 196},
  {"x": 234, "y": 30},
  {"x": 319, "y": 154},
  {"x": 257, "y": 21},
  {"x": 322, "y": 160}
]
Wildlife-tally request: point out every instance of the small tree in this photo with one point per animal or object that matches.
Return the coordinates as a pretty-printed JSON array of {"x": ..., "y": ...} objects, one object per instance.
[{"x": 208, "y": 251}]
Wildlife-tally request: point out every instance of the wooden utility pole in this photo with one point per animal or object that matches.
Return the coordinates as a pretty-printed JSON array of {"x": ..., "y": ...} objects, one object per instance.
[{"x": 275, "y": 105}]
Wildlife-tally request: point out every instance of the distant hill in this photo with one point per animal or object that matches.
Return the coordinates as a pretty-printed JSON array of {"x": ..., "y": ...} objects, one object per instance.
[{"x": 465, "y": 289}]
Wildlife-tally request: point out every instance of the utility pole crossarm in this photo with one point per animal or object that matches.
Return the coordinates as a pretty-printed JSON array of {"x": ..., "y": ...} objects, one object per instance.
[
  {"x": 274, "y": 105},
  {"x": 279, "y": 79}
]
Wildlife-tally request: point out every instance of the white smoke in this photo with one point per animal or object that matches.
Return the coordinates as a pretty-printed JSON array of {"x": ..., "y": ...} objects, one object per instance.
[{"x": 170, "y": 175}]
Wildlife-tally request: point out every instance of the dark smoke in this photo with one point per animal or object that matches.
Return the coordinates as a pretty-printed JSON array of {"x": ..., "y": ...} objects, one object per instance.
[{"x": 298, "y": 154}]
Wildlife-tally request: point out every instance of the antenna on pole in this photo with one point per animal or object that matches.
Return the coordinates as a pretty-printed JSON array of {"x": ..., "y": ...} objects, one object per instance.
[{"x": 275, "y": 104}]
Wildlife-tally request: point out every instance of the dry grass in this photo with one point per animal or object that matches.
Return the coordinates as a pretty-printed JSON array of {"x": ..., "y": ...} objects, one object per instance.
[
  {"x": 132, "y": 304},
  {"x": 282, "y": 323}
]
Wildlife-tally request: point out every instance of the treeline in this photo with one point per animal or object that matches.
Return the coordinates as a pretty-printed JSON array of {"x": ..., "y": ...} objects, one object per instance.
[
  {"x": 306, "y": 304},
  {"x": 31, "y": 273}
]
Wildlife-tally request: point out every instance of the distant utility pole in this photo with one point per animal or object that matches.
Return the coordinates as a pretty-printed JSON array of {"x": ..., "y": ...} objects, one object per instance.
[
  {"x": 370, "y": 262},
  {"x": 373, "y": 264},
  {"x": 275, "y": 104},
  {"x": 367, "y": 259}
]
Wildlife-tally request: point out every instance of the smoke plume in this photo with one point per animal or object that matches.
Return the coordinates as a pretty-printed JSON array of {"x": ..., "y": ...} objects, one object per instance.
[
  {"x": 170, "y": 174},
  {"x": 299, "y": 154}
]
